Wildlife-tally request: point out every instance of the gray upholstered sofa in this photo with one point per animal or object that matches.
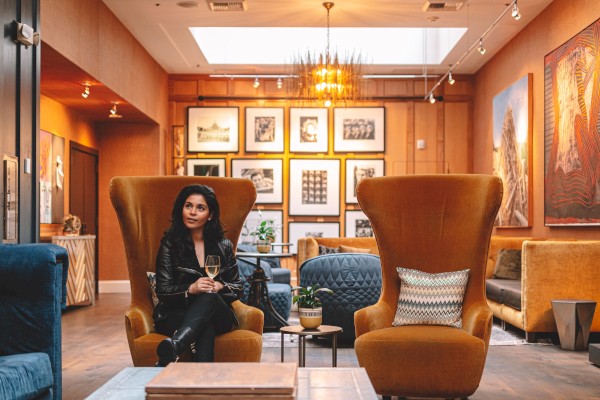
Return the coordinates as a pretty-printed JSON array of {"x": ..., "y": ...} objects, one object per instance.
[
  {"x": 33, "y": 281},
  {"x": 355, "y": 279}
]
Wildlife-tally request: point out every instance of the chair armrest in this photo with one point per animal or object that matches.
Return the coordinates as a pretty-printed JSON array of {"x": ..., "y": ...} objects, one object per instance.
[
  {"x": 138, "y": 321},
  {"x": 378, "y": 316},
  {"x": 250, "y": 318},
  {"x": 477, "y": 320}
]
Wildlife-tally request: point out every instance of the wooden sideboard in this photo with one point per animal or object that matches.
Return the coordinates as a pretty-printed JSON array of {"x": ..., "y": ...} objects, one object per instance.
[{"x": 81, "y": 282}]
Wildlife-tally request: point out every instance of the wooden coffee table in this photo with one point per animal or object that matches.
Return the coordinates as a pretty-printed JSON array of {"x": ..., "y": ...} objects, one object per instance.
[
  {"x": 323, "y": 330},
  {"x": 313, "y": 384}
]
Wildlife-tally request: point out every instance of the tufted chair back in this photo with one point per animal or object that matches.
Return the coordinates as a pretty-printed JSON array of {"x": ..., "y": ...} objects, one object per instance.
[
  {"x": 143, "y": 206},
  {"x": 355, "y": 279}
]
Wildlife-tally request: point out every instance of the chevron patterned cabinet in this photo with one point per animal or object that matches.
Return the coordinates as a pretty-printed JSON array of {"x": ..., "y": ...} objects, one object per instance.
[{"x": 81, "y": 282}]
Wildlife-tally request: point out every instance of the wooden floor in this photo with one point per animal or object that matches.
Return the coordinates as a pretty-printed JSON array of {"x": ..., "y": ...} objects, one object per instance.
[{"x": 95, "y": 349}]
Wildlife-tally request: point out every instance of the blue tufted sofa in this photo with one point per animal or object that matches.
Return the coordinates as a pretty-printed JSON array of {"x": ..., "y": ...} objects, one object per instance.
[
  {"x": 33, "y": 281},
  {"x": 280, "y": 291},
  {"x": 355, "y": 279}
]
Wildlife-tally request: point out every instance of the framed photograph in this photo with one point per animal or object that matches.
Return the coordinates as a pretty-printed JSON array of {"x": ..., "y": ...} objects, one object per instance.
[
  {"x": 206, "y": 167},
  {"x": 178, "y": 142},
  {"x": 314, "y": 187},
  {"x": 213, "y": 129},
  {"x": 357, "y": 224},
  {"x": 358, "y": 169},
  {"x": 297, "y": 230},
  {"x": 359, "y": 130},
  {"x": 254, "y": 218},
  {"x": 179, "y": 166},
  {"x": 512, "y": 117},
  {"x": 266, "y": 174},
  {"x": 571, "y": 149},
  {"x": 308, "y": 130},
  {"x": 264, "y": 130}
]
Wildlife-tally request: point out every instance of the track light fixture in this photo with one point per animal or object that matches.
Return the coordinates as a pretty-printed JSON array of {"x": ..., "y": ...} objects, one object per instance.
[
  {"x": 450, "y": 78},
  {"x": 481, "y": 49},
  {"x": 515, "y": 12},
  {"x": 431, "y": 98},
  {"x": 86, "y": 91},
  {"x": 279, "y": 83},
  {"x": 256, "y": 83},
  {"x": 113, "y": 111}
]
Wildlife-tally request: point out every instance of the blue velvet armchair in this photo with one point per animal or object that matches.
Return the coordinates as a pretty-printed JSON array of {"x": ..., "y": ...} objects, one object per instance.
[{"x": 33, "y": 280}]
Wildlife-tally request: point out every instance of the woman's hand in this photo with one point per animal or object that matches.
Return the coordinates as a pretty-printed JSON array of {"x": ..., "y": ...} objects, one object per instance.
[{"x": 205, "y": 285}]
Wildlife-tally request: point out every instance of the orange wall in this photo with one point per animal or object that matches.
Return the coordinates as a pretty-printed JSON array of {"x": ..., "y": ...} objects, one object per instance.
[
  {"x": 62, "y": 121},
  {"x": 559, "y": 22}
]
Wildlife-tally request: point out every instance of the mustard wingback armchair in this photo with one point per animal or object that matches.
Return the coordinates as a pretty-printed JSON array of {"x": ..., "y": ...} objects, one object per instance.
[
  {"x": 143, "y": 206},
  {"x": 434, "y": 223}
]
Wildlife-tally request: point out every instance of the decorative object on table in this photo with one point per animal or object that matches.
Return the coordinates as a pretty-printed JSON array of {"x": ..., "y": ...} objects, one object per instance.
[
  {"x": 359, "y": 130},
  {"x": 265, "y": 234},
  {"x": 298, "y": 230},
  {"x": 212, "y": 129},
  {"x": 512, "y": 130},
  {"x": 71, "y": 225},
  {"x": 266, "y": 174},
  {"x": 357, "y": 224},
  {"x": 329, "y": 78},
  {"x": 308, "y": 130},
  {"x": 253, "y": 220},
  {"x": 264, "y": 130},
  {"x": 206, "y": 167},
  {"x": 309, "y": 305},
  {"x": 314, "y": 187},
  {"x": 357, "y": 170},
  {"x": 572, "y": 156}
]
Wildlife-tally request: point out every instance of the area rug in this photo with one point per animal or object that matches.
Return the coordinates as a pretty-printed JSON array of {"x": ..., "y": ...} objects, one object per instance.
[{"x": 273, "y": 339}]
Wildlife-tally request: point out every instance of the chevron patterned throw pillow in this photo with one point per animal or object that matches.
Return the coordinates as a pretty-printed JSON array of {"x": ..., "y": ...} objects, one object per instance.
[{"x": 430, "y": 299}]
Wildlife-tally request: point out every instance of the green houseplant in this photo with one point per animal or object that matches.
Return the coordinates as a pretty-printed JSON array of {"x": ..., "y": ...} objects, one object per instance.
[
  {"x": 265, "y": 233},
  {"x": 309, "y": 305}
]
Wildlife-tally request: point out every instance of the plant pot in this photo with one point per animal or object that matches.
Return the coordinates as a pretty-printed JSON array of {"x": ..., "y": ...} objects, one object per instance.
[
  {"x": 263, "y": 246},
  {"x": 311, "y": 318}
]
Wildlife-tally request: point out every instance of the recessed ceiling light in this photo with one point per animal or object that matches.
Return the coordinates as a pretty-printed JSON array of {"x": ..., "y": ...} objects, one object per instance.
[{"x": 187, "y": 4}]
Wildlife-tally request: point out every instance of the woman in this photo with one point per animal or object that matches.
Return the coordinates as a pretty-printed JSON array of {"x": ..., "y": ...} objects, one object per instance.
[{"x": 193, "y": 308}]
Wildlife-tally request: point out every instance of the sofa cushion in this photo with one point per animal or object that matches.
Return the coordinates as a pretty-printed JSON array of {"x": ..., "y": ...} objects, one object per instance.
[
  {"x": 328, "y": 250},
  {"x": 430, "y": 299},
  {"x": 508, "y": 264},
  {"x": 348, "y": 249},
  {"x": 25, "y": 376},
  {"x": 504, "y": 291}
]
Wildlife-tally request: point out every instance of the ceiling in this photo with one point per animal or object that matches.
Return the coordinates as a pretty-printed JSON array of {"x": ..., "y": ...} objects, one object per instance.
[{"x": 161, "y": 26}]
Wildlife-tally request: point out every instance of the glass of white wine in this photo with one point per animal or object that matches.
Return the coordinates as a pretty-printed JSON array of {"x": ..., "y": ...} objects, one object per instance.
[{"x": 212, "y": 265}]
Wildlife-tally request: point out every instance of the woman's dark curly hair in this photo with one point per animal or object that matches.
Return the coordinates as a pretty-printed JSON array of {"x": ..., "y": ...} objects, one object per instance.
[{"x": 179, "y": 233}]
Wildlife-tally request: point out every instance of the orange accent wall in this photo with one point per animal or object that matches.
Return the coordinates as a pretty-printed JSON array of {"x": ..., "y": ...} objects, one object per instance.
[{"x": 559, "y": 22}]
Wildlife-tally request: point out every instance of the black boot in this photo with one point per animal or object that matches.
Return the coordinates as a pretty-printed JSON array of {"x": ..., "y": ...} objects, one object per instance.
[{"x": 171, "y": 348}]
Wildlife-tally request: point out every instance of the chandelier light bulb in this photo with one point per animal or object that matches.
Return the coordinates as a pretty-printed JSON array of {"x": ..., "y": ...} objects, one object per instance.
[
  {"x": 279, "y": 83},
  {"x": 256, "y": 83},
  {"x": 481, "y": 49},
  {"x": 86, "y": 92},
  {"x": 450, "y": 78},
  {"x": 431, "y": 98},
  {"x": 515, "y": 12}
]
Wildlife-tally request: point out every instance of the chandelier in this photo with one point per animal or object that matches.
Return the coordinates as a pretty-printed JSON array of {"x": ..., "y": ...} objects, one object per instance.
[{"x": 327, "y": 78}]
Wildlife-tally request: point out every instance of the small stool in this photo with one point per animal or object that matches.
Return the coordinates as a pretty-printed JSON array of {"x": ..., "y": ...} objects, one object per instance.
[{"x": 573, "y": 322}]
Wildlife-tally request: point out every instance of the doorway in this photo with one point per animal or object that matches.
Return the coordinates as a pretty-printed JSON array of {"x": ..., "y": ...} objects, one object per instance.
[{"x": 83, "y": 194}]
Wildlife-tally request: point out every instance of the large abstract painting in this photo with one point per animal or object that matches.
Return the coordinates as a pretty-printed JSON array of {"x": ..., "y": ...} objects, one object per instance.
[
  {"x": 572, "y": 131},
  {"x": 512, "y": 132}
]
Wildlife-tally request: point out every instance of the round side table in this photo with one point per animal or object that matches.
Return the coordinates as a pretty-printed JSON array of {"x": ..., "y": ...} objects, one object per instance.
[{"x": 323, "y": 330}]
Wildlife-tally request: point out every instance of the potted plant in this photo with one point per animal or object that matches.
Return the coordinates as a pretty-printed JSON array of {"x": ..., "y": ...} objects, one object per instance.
[
  {"x": 71, "y": 225},
  {"x": 309, "y": 305},
  {"x": 265, "y": 233}
]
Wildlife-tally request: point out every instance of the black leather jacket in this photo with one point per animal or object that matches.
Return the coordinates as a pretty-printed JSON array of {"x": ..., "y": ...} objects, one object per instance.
[{"x": 174, "y": 275}]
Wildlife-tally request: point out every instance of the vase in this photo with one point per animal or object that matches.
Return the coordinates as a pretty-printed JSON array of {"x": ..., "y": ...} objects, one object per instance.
[
  {"x": 310, "y": 318},
  {"x": 263, "y": 246}
]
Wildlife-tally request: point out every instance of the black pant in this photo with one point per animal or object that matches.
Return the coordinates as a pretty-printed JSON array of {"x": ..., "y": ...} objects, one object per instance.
[{"x": 207, "y": 315}]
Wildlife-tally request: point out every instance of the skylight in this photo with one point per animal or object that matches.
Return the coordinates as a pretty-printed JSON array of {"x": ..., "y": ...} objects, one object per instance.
[{"x": 380, "y": 46}]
